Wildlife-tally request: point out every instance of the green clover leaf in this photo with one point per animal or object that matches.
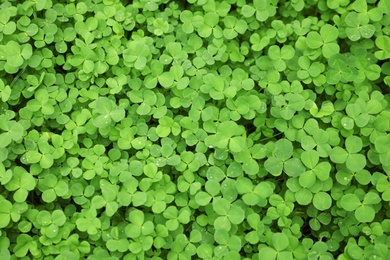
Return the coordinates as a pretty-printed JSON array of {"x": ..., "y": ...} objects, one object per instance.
[{"x": 324, "y": 40}]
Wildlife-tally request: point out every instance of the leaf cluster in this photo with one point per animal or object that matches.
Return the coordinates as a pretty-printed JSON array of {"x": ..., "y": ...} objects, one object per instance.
[{"x": 202, "y": 129}]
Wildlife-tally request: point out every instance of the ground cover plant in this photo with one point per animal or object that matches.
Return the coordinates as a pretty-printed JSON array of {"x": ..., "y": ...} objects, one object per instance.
[{"x": 198, "y": 129}]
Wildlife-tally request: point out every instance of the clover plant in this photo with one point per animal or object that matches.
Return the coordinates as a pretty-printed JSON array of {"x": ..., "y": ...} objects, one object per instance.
[{"x": 197, "y": 129}]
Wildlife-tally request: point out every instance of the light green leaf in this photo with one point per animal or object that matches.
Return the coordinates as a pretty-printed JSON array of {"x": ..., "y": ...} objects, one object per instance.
[{"x": 350, "y": 202}]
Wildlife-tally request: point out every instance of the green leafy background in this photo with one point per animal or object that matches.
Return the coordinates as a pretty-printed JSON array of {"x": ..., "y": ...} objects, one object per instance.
[{"x": 198, "y": 129}]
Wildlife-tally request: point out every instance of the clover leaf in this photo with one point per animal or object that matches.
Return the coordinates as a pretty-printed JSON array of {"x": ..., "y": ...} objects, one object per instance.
[
  {"x": 108, "y": 198},
  {"x": 226, "y": 243},
  {"x": 228, "y": 214},
  {"x": 6, "y": 26},
  {"x": 233, "y": 27},
  {"x": 229, "y": 135},
  {"x": 357, "y": 28},
  {"x": 106, "y": 112},
  {"x": 167, "y": 126},
  {"x": 382, "y": 42},
  {"x": 216, "y": 87},
  {"x": 175, "y": 217},
  {"x": 253, "y": 195},
  {"x": 282, "y": 161},
  {"x": 5, "y": 213},
  {"x": 51, "y": 187},
  {"x": 209, "y": 26},
  {"x": 13, "y": 131},
  {"x": 322, "y": 201},
  {"x": 137, "y": 54},
  {"x": 262, "y": 10},
  {"x": 383, "y": 185},
  {"x": 280, "y": 55},
  {"x": 381, "y": 145},
  {"x": 138, "y": 225},
  {"x": 88, "y": 222},
  {"x": 278, "y": 250},
  {"x": 21, "y": 182},
  {"x": 51, "y": 222},
  {"x": 16, "y": 54},
  {"x": 351, "y": 156},
  {"x": 324, "y": 40},
  {"x": 364, "y": 212},
  {"x": 24, "y": 244},
  {"x": 317, "y": 170}
]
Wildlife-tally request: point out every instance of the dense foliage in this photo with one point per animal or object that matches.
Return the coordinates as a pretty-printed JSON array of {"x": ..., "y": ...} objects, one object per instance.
[{"x": 198, "y": 129}]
